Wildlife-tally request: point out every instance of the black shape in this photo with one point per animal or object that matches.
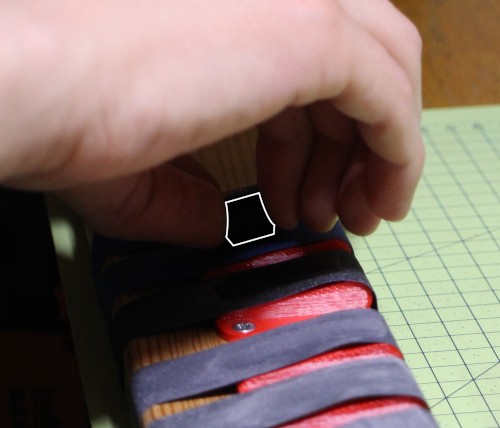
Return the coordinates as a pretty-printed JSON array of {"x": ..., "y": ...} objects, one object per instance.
[
  {"x": 29, "y": 276},
  {"x": 247, "y": 220}
]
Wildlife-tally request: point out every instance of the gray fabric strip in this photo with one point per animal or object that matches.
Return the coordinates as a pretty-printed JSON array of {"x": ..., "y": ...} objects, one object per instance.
[
  {"x": 301, "y": 396},
  {"x": 173, "y": 308},
  {"x": 233, "y": 362},
  {"x": 412, "y": 418}
]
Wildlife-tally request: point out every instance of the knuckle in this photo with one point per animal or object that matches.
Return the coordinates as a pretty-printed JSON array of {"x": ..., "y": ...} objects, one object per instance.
[{"x": 412, "y": 34}]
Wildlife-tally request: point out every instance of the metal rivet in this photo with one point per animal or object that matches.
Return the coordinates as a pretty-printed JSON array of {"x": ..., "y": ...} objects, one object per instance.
[{"x": 244, "y": 327}]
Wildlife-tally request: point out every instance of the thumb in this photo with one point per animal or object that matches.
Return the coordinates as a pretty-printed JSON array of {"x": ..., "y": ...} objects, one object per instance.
[{"x": 164, "y": 204}]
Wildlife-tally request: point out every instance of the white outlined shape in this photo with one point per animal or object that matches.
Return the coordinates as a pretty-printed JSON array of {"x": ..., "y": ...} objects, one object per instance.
[{"x": 265, "y": 212}]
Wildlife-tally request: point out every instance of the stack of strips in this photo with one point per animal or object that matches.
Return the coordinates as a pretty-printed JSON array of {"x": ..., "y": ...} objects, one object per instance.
[{"x": 282, "y": 331}]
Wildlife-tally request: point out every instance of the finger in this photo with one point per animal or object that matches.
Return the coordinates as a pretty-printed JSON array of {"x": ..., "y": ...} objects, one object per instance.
[
  {"x": 283, "y": 147},
  {"x": 318, "y": 202},
  {"x": 354, "y": 209},
  {"x": 390, "y": 188},
  {"x": 334, "y": 135},
  {"x": 379, "y": 96},
  {"x": 165, "y": 204}
]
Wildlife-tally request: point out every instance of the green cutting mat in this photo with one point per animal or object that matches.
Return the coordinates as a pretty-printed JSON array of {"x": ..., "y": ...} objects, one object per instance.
[{"x": 437, "y": 273}]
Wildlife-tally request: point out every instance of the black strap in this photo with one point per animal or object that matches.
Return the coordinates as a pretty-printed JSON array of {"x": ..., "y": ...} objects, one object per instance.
[
  {"x": 247, "y": 220},
  {"x": 231, "y": 363},
  {"x": 412, "y": 418},
  {"x": 176, "y": 307},
  {"x": 166, "y": 264},
  {"x": 301, "y": 396}
]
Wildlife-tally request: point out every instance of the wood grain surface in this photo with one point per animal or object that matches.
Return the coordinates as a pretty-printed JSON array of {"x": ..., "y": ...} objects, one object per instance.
[
  {"x": 461, "y": 66},
  {"x": 461, "y": 50}
]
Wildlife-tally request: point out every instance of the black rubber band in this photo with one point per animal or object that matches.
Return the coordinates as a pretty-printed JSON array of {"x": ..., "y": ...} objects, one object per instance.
[
  {"x": 176, "y": 307},
  {"x": 301, "y": 396},
  {"x": 168, "y": 264},
  {"x": 231, "y": 363},
  {"x": 412, "y": 418}
]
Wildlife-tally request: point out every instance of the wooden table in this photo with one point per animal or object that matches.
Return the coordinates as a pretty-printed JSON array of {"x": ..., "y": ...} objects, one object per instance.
[{"x": 461, "y": 55}]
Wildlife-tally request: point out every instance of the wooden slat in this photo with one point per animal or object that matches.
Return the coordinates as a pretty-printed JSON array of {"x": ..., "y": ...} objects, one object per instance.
[
  {"x": 232, "y": 161},
  {"x": 149, "y": 350}
]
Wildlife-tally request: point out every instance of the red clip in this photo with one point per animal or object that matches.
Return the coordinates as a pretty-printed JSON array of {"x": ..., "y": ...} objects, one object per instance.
[
  {"x": 345, "y": 413},
  {"x": 299, "y": 307},
  {"x": 343, "y": 355},
  {"x": 279, "y": 256}
]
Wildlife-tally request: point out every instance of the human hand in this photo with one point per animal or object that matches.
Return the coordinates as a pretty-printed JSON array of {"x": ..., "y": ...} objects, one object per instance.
[
  {"x": 358, "y": 153},
  {"x": 98, "y": 96}
]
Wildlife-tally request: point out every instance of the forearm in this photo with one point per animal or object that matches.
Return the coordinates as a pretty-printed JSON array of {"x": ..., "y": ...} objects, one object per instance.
[
  {"x": 34, "y": 82},
  {"x": 82, "y": 83},
  {"x": 116, "y": 88}
]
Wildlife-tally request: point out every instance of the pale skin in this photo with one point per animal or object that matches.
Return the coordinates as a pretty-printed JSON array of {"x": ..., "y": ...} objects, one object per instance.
[{"x": 102, "y": 101}]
